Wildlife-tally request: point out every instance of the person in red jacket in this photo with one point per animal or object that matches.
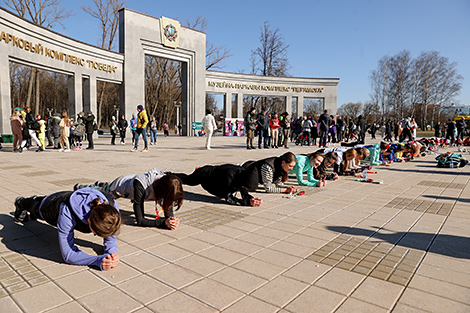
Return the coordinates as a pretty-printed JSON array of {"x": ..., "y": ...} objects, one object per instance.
[{"x": 275, "y": 124}]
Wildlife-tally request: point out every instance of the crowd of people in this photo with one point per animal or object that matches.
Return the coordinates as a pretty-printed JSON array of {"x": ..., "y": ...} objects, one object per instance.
[
  {"x": 91, "y": 208},
  {"x": 66, "y": 133}
]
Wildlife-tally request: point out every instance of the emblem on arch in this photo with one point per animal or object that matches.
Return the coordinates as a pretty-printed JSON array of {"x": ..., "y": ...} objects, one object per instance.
[{"x": 170, "y": 32}]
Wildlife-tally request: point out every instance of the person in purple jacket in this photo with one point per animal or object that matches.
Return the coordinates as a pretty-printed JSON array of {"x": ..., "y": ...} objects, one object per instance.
[{"x": 86, "y": 210}]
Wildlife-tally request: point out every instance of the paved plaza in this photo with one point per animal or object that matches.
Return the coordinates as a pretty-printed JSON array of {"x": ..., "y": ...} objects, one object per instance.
[{"x": 400, "y": 246}]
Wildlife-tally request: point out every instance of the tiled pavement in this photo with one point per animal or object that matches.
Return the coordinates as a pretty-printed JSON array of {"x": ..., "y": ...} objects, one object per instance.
[{"x": 403, "y": 246}]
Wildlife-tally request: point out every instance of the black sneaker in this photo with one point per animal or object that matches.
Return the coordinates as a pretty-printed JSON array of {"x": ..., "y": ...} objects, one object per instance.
[
  {"x": 21, "y": 215},
  {"x": 76, "y": 186}
]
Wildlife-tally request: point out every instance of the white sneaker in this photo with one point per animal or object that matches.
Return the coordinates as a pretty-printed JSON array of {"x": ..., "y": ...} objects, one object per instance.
[
  {"x": 67, "y": 150},
  {"x": 61, "y": 150}
]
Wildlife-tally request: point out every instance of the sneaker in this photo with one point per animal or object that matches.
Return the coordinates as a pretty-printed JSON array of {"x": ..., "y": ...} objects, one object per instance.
[
  {"x": 134, "y": 149},
  {"x": 61, "y": 150},
  {"x": 145, "y": 149},
  {"x": 67, "y": 150},
  {"x": 21, "y": 215},
  {"x": 123, "y": 143},
  {"x": 76, "y": 186},
  {"x": 76, "y": 148}
]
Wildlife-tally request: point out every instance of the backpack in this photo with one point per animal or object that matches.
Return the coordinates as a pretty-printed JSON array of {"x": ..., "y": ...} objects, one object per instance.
[
  {"x": 95, "y": 126},
  {"x": 447, "y": 160}
]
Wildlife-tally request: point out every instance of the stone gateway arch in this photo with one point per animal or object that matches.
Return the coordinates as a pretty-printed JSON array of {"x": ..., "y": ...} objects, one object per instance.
[{"x": 139, "y": 35}]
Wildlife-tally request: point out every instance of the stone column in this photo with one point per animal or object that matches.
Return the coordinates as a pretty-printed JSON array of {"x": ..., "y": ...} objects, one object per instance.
[
  {"x": 5, "y": 100},
  {"x": 75, "y": 94},
  {"x": 90, "y": 102},
  {"x": 240, "y": 106},
  {"x": 289, "y": 105},
  {"x": 228, "y": 105},
  {"x": 300, "y": 106}
]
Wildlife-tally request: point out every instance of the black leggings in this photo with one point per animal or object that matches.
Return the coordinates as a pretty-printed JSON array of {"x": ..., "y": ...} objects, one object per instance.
[{"x": 222, "y": 181}]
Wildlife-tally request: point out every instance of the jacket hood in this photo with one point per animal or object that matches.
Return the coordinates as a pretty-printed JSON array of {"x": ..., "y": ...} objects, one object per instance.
[{"x": 80, "y": 202}]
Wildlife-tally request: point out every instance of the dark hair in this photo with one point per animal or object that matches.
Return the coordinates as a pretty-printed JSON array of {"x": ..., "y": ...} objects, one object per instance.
[
  {"x": 105, "y": 219},
  {"x": 168, "y": 190},
  {"x": 319, "y": 173},
  {"x": 208, "y": 111},
  {"x": 263, "y": 108},
  {"x": 287, "y": 157}
]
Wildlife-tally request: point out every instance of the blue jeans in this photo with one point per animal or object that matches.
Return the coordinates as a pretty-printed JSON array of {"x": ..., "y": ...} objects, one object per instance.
[
  {"x": 262, "y": 134},
  {"x": 142, "y": 131},
  {"x": 153, "y": 135}
]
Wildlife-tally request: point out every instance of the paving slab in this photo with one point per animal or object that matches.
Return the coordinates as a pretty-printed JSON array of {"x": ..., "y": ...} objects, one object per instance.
[{"x": 402, "y": 246}]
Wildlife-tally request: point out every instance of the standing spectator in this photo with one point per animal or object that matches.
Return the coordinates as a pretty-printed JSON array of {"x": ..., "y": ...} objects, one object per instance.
[
  {"x": 437, "y": 129},
  {"x": 180, "y": 130},
  {"x": 314, "y": 132},
  {"x": 461, "y": 128},
  {"x": 89, "y": 129},
  {"x": 208, "y": 122},
  {"x": 274, "y": 124},
  {"x": 339, "y": 128},
  {"x": 332, "y": 130},
  {"x": 285, "y": 124},
  {"x": 451, "y": 131},
  {"x": 153, "y": 131},
  {"x": 113, "y": 128},
  {"x": 306, "y": 128},
  {"x": 16, "y": 123},
  {"x": 250, "y": 123},
  {"x": 122, "y": 125},
  {"x": 64, "y": 132},
  {"x": 133, "y": 127},
  {"x": 361, "y": 124},
  {"x": 176, "y": 130},
  {"x": 78, "y": 131},
  {"x": 32, "y": 125},
  {"x": 373, "y": 130},
  {"x": 166, "y": 129},
  {"x": 142, "y": 121},
  {"x": 414, "y": 128},
  {"x": 50, "y": 137},
  {"x": 324, "y": 122},
  {"x": 41, "y": 133},
  {"x": 56, "y": 129},
  {"x": 406, "y": 130},
  {"x": 262, "y": 123}
]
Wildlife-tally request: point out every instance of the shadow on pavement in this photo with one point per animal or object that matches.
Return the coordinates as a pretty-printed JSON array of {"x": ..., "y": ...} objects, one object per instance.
[
  {"x": 36, "y": 239},
  {"x": 448, "y": 245},
  {"x": 445, "y": 171},
  {"x": 446, "y": 198}
]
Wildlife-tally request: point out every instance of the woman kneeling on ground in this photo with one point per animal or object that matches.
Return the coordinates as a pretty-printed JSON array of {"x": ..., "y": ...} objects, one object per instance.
[
  {"x": 86, "y": 210},
  {"x": 165, "y": 190},
  {"x": 272, "y": 172},
  {"x": 307, "y": 163}
]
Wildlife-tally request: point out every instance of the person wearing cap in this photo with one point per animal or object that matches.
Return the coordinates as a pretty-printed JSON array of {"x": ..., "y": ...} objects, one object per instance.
[{"x": 142, "y": 121}]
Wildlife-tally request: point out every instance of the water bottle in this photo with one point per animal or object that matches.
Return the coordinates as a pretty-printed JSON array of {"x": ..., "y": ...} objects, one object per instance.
[
  {"x": 364, "y": 173},
  {"x": 451, "y": 165}
]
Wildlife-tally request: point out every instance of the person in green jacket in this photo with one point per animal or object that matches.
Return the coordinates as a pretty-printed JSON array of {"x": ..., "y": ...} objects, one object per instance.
[
  {"x": 306, "y": 163},
  {"x": 375, "y": 152}
]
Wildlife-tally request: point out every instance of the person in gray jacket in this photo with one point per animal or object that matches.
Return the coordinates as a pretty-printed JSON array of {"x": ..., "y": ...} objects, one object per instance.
[{"x": 165, "y": 189}]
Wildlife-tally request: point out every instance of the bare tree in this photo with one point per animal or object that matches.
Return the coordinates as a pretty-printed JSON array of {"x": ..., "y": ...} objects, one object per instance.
[
  {"x": 271, "y": 55},
  {"x": 350, "y": 110},
  {"x": 106, "y": 12},
  {"x": 404, "y": 86},
  {"x": 215, "y": 55},
  {"x": 46, "y": 13}
]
